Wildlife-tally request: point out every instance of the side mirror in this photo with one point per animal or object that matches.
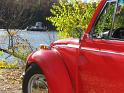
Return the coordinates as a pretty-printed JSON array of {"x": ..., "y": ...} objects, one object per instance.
[{"x": 105, "y": 35}]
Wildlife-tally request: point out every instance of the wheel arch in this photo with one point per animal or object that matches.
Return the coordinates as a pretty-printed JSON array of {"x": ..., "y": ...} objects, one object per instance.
[{"x": 54, "y": 69}]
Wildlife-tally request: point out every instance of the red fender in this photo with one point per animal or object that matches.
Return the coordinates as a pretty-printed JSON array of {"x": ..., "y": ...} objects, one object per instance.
[{"x": 54, "y": 69}]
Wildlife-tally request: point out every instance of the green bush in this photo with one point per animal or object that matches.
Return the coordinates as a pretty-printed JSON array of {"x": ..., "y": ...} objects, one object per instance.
[
  {"x": 1, "y": 53},
  {"x": 4, "y": 64},
  {"x": 71, "y": 19}
]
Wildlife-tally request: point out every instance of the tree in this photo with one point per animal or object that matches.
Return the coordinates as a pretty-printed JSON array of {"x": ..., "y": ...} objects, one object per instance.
[
  {"x": 71, "y": 19},
  {"x": 18, "y": 14},
  {"x": 12, "y": 17}
]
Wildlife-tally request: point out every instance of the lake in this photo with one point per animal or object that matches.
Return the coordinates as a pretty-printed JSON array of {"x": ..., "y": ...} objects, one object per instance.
[{"x": 35, "y": 38}]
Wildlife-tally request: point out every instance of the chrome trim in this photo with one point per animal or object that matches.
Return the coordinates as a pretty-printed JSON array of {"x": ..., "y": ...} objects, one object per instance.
[
  {"x": 113, "y": 18},
  {"x": 68, "y": 45},
  {"x": 102, "y": 51},
  {"x": 90, "y": 49},
  {"x": 73, "y": 46},
  {"x": 111, "y": 52}
]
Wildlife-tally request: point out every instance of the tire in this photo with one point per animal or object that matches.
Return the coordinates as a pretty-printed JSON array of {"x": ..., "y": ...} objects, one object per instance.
[{"x": 34, "y": 81}]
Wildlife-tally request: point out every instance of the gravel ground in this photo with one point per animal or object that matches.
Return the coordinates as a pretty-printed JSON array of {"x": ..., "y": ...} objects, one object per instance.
[{"x": 10, "y": 81}]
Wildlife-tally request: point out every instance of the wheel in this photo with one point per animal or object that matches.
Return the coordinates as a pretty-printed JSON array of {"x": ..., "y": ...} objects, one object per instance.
[{"x": 34, "y": 81}]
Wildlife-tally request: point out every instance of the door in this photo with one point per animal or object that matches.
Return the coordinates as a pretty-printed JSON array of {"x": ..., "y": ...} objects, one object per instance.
[
  {"x": 112, "y": 53},
  {"x": 101, "y": 66}
]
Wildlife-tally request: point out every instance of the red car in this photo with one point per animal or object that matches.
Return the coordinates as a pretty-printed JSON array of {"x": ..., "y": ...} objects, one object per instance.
[{"x": 92, "y": 64}]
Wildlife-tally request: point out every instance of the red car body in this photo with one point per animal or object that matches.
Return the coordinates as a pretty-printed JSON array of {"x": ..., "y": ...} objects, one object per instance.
[{"x": 83, "y": 66}]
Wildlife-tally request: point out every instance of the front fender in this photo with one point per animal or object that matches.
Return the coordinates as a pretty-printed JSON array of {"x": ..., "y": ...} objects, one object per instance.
[{"x": 54, "y": 70}]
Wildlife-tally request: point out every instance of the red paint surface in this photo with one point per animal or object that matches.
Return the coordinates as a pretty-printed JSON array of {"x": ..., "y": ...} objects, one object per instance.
[{"x": 91, "y": 66}]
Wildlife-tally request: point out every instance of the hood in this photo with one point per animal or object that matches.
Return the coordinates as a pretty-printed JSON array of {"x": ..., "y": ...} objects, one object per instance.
[{"x": 73, "y": 41}]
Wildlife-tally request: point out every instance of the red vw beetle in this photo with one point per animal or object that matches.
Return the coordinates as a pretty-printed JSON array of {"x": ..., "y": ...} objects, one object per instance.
[{"x": 92, "y": 64}]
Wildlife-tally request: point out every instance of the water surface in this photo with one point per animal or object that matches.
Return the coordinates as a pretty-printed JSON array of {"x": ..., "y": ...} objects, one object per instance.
[{"x": 35, "y": 38}]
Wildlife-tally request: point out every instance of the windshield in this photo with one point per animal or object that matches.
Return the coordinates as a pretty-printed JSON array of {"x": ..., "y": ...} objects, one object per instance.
[
  {"x": 104, "y": 22},
  {"x": 110, "y": 23}
]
